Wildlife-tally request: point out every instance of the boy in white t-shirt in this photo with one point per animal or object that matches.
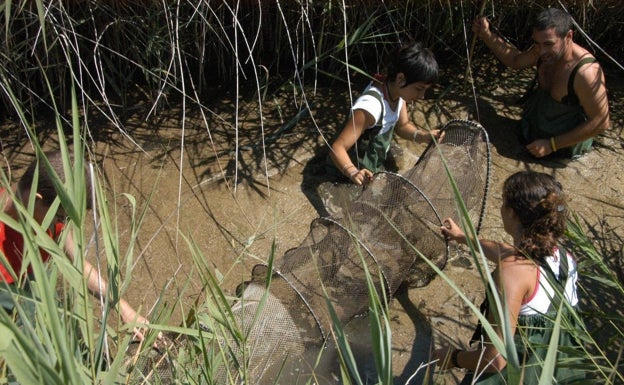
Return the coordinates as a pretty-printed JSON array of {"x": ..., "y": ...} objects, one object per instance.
[{"x": 362, "y": 146}]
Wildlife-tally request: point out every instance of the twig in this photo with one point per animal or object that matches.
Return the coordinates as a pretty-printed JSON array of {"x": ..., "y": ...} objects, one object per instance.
[
  {"x": 473, "y": 43},
  {"x": 421, "y": 366}
]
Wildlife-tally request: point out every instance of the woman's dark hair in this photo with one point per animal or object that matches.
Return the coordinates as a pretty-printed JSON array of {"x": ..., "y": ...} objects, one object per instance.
[
  {"x": 538, "y": 201},
  {"x": 416, "y": 62},
  {"x": 45, "y": 186},
  {"x": 553, "y": 18}
]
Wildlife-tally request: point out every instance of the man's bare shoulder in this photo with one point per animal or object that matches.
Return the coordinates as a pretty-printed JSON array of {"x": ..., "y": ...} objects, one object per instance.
[
  {"x": 580, "y": 53},
  {"x": 590, "y": 76}
]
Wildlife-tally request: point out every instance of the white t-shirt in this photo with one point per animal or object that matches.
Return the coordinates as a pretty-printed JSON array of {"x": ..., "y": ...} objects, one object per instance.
[{"x": 371, "y": 105}]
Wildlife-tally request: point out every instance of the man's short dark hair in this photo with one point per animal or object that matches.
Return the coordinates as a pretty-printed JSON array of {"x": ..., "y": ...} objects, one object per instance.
[{"x": 553, "y": 18}]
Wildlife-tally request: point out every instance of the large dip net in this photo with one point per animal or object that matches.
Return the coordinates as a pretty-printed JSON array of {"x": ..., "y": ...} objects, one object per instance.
[{"x": 392, "y": 226}]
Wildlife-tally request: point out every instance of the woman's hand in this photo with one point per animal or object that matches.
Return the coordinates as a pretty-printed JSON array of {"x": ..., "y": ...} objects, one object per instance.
[
  {"x": 361, "y": 177},
  {"x": 450, "y": 229}
]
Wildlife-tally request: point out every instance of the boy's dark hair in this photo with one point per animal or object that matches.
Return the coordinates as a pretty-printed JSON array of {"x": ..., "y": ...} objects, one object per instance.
[
  {"x": 553, "y": 18},
  {"x": 45, "y": 186},
  {"x": 416, "y": 62}
]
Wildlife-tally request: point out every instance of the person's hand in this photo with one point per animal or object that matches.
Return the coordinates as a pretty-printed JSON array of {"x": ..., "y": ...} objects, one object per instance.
[
  {"x": 361, "y": 177},
  {"x": 539, "y": 148},
  {"x": 138, "y": 332},
  {"x": 443, "y": 355},
  {"x": 422, "y": 136},
  {"x": 438, "y": 134},
  {"x": 481, "y": 26},
  {"x": 130, "y": 317},
  {"x": 450, "y": 229}
]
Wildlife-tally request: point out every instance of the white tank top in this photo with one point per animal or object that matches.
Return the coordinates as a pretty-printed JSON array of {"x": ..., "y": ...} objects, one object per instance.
[{"x": 539, "y": 302}]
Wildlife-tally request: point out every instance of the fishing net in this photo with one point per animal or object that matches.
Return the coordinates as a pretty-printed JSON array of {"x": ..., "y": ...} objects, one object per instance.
[
  {"x": 153, "y": 364},
  {"x": 392, "y": 227},
  {"x": 465, "y": 151}
]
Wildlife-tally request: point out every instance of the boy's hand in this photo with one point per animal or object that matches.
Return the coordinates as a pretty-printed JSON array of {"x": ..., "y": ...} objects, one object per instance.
[
  {"x": 361, "y": 177},
  {"x": 438, "y": 134}
]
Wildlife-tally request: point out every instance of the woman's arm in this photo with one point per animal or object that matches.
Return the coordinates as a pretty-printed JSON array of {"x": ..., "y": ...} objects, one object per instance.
[
  {"x": 352, "y": 131},
  {"x": 494, "y": 251}
]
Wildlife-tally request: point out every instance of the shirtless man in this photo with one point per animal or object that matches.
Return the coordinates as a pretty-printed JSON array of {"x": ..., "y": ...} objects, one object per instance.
[{"x": 570, "y": 106}]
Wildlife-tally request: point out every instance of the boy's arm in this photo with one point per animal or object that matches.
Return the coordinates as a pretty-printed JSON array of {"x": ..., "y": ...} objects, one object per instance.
[
  {"x": 350, "y": 134},
  {"x": 408, "y": 130}
]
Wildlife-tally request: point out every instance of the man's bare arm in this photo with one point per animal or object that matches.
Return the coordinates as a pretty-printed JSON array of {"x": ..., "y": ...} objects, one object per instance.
[
  {"x": 507, "y": 53},
  {"x": 589, "y": 86}
]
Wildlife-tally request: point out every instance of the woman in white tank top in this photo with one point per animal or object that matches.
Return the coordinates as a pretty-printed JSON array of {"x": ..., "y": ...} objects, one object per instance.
[{"x": 536, "y": 280}]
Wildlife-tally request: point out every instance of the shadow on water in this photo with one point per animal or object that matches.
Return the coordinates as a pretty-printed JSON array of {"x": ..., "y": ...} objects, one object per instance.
[
  {"x": 314, "y": 175},
  {"x": 423, "y": 341},
  {"x": 359, "y": 334}
]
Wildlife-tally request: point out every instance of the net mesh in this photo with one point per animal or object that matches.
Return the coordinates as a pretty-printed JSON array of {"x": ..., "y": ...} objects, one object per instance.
[
  {"x": 465, "y": 148},
  {"x": 392, "y": 225}
]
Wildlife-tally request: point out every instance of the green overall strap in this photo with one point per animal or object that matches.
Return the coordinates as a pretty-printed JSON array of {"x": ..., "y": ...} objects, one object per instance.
[
  {"x": 564, "y": 268},
  {"x": 374, "y": 143},
  {"x": 571, "y": 98},
  {"x": 359, "y": 149},
  {"x": 377, "y": 96}
]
